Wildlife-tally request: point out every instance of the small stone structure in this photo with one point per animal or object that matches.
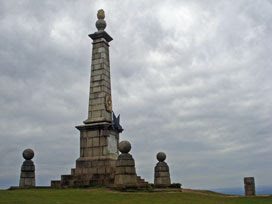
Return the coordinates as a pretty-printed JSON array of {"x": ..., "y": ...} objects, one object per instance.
[
  {"x": 162, "y": 175},
  {"x": 27, "y": 178},
  {"x": 125, "y": 174},
  {"x": 249, "y": 184}
]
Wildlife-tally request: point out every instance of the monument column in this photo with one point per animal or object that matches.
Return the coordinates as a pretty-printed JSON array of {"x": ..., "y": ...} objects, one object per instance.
[
  {"x": 99, "y": 135},
  {"x": 100, "y": 106}
]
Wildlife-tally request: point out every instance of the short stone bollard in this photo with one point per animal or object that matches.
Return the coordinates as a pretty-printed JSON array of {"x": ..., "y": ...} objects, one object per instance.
[
  {"x": 27, "y": 178},
  {"x": 162, "y": 175},
  {"x": 125, "y": 174},
  {"x": 249, "y": 184}
]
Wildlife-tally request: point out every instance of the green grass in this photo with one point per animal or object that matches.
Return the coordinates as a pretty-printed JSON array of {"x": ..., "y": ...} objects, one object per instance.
[{"x": 105, "y": 196}]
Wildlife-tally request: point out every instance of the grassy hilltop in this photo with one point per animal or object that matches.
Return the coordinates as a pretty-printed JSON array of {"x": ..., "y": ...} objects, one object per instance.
[{"x": 105, "y": 196}]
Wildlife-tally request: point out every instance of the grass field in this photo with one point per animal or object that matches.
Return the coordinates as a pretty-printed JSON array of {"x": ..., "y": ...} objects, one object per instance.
[{"x": 105, "y": 196}]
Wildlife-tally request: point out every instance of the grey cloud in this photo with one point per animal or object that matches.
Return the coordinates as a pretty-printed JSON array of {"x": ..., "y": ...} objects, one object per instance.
[{"x": 189, "y": 78}]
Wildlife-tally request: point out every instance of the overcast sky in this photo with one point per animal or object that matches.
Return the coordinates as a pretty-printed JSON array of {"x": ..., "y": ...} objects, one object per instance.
[{"x": 190, "y": 78}]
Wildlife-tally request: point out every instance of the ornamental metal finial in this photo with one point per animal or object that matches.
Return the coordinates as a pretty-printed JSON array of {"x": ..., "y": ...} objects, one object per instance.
[{"x": 100, "y": 23}]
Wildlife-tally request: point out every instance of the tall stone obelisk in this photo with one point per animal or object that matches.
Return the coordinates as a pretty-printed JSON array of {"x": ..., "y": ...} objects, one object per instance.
[
  {"x": 100, "y": 106},
  {"x": 99, "y": 135}
]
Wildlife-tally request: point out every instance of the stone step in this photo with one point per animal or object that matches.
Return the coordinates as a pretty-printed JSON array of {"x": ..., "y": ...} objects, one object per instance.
[
  {"x": 55, "y": 184},
  {"x": 139, "y": 179},
  {"x": 142, "y": 183},
  {"x": 67, "y": 177},
  {"x": 67, "y": 180},
  {"x": 73, "y": 171}
]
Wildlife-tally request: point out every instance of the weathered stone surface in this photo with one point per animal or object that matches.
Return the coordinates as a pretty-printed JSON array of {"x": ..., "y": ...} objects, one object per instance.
[
  {"x": 100, "y": 85},
  {"x": 55, "y": 184},
  {"x": 249, "y": 185},
  {"x": 27, "y": 177},
  {"x": 28, "y": 154},
  {"x": 125, "y": 181},
  {"x": 98, "y": 138},
  {"x": 161, "y": 172},
  {"x": 124, "y": 146},
  {"x": 125, "y": 156},
  {"x": 125, "y": 174},
  {"x": 28, "y": 166},
  {"x": 161, "y": 156}
]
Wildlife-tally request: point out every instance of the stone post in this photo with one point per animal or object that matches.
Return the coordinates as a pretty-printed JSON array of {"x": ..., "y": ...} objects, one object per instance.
[
  {"x": 27, "y": 178},
  {"x": 249, "y": 184},
  {"x": 125, "y": 174},
  {"x": 162, "y": 175}
]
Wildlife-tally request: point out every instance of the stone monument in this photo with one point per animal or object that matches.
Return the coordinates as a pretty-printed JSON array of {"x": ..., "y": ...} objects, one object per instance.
[
  {"x": 27, "y": 178},
  {"x": 125, "y": 174},
  {"x": 249, "y": 184},
  {"x": 162, "y": 175},
  {"x": 99, "y": 135}
]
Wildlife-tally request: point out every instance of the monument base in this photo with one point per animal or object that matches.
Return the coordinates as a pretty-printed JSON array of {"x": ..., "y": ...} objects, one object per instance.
[
  {"x": 97, "y": 161},
  {"x": 125, "y": 172},
  {"x": 102, "y": 175},
  {"x": 162, "y": 175},
  {"x": 27, "y": 178}
]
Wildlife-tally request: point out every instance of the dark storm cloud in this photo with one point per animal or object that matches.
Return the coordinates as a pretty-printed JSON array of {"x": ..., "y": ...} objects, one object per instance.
[{"x": 189, "y": 78}]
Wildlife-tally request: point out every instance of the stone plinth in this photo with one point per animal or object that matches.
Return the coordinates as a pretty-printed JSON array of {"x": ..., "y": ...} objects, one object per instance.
[
  {"x": 249, "y": 184},
  {"x": 161, "y": 175},
  {"x": 27, "y": 177},
  {"x": 97, "y": 161},
  {"x": 125, "y": 174}
]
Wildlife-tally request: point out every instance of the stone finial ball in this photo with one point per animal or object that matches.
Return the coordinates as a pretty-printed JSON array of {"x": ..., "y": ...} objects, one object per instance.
[
  {"x": 101, "y": 23},
  {"x": 100, "y": 14},
  {"x": 124, "y": 146},
  {"x": 161, "y": 156},
  {"x": 28, "y": 154}
]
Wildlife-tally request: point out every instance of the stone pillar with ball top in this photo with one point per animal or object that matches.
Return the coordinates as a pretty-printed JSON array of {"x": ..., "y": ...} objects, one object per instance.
[
  {"x": 162, "y": 175},
  {"x": 99, "y": 135},
  {"x": 27, "y": 177},
  {"x": 125, "y": 174}
]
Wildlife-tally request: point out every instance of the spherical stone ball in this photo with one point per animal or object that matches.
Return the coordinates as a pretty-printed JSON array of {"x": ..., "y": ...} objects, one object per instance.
[
  {"x": 124, "y": 146},
  {"x": 28, "y": 154},
  {"x": 161, "y": 156},
  {"x": 100, "y": 24}
]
